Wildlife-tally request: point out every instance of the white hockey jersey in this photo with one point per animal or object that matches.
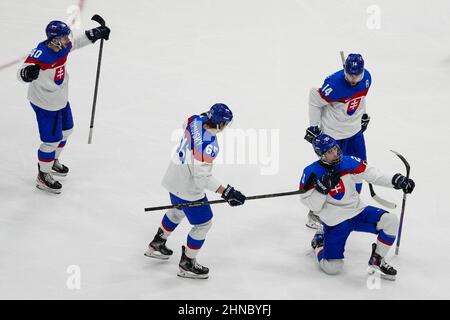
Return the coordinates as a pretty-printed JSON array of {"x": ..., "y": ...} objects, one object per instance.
[
  {"x": 343, "y": 201},
  {"x": 189, "y": 171},
  {"x": 50, "y": 90},
  {"x": 337, "y": 107}
]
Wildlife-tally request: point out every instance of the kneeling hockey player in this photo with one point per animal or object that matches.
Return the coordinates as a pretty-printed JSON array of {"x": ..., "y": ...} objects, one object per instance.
[{"x": 329, "y": 190}]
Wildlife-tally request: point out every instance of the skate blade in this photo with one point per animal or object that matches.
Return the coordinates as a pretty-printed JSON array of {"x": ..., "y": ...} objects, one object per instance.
[
  {"x": 47, "y": 189},
  {"x": 156, "y": 255},
  {"x": 372, "y": 270},
  {"x": 312, "y": 226},
  {"x": 190, "y": 275}
]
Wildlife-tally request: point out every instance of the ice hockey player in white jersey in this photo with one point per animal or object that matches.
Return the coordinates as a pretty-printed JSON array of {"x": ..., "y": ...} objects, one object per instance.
[
  {"x": 329, "y": 189},
  {"x": 187, "y": 177},
  {"x": 45, "y": 71},
  {"x": 338, "y": 109}
]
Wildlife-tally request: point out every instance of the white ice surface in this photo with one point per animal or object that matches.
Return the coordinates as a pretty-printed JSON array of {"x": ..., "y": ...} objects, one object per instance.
[{"x": 168, "y": 59}]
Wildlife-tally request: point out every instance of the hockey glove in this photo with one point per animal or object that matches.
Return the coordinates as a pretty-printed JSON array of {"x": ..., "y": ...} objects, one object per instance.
[
  {"x": 233, "y": 197},
  {"x": 311, "y": 133},
  {"x": 101, "y": 32},
  {"x": 401, "y": 182},
  {"x": 328, "y": 181},
  {"x": 30, "y": 73},
  {"x": 365, "y": 121}
]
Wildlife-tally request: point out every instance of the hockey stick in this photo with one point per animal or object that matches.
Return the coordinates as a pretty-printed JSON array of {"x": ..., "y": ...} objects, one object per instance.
[
  {"x": 399, "y": 234},
  {"x": 101, "y": 21},
  {"x": 202, "y": 203},
  {"x": 381, "y": 201}
]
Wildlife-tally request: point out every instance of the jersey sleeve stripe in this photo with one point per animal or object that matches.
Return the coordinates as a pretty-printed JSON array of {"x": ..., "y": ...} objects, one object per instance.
[
  {"x": 361, "y": 168},
  {"x": 45, "y": 66}
]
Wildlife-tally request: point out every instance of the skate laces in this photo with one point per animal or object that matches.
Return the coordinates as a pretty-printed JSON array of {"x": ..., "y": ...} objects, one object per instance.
[
  {"x": 197, "y": 265},
  {"x": 48, "y": 178},
  {"x": 385, "y": 265}
]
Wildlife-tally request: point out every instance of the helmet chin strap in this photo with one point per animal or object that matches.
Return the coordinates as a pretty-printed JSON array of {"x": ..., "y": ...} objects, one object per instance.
[{"x": 334, "y": 162}]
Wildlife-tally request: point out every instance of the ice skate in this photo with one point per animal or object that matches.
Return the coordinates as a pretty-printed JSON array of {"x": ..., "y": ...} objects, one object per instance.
[
  {"x": 45, "y": 181},
  {"x": 189, "y": 268},
  {"x": 377, "y": 264},
  {"x": 157, "y": 248},
  {"x": 313, "y": 221},
  {"x": 59, "y": 169}
]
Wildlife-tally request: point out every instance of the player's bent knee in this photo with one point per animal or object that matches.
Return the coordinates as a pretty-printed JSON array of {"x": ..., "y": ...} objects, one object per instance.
[
  {"x": 49, "y": 146},
  {"x": 332, "y": 266},
  {"x": 175, "y": 215},
  {"x": 199, "y": 231},
  {"x": 67, "y": 133},
  {"x": 388, "y": 223}
]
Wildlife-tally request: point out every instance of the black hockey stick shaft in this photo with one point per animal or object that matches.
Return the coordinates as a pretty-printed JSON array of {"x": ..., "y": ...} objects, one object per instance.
[
  {"x": 101, "y": 21},
  {"x": 400, "y": 227},
  {"x": 202, "y": 203}
]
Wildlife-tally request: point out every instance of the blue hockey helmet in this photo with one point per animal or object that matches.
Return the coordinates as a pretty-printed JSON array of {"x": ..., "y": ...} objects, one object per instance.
[
  {"x": 354, "y": 64},
  {"x": 324, "y": 143},
  {"x": 220, "y": 113},
  {"x": 56, "y": 29}
]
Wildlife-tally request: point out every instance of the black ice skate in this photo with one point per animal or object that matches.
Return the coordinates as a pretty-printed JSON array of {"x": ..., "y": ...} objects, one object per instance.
[
  {"x": 189, "y": 268},
  {"x": 157, "y": 248},
  {"x": 45, "y": 181},
  {"x": 59, "y": 169},
  {"x": 317, "y": 240},
  {"x": 378, "y": 265}
]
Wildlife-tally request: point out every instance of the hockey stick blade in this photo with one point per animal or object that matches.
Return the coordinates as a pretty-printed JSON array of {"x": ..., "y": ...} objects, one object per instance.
[
  {"x": 342, "y": 58},
  {"x": 404, "y": 161},
  {"x": 98, "y": 19},
  {"x": 381, "y": 201}
]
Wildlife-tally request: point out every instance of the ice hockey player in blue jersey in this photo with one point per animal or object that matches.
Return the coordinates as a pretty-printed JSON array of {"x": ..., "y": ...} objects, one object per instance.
[
  {"x": 328, "y": 188},
  {"x": 338, "y": 109},
  {"x": 45, "y": 72},
  {"x": 186, "y": 178}
]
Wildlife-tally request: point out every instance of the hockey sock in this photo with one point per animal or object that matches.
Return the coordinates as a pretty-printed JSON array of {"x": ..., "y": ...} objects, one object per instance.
[
  {"x": 196, "y": 238},
  {"x": 62, "y": 143},
  {"x": 384, "y": 243},
  {"x": 60, "y": 148},
  {"x": 193, "y": 246},
  {"x": 167, "y": 226},
  {"x": 46, "y": 156}
]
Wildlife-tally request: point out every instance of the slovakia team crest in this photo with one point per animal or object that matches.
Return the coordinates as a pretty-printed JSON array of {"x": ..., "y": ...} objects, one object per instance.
[
  {"x": 59, "y": 75},
  {"x": 338, "y": 191},
  {"x": 353, "y": 106}
]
